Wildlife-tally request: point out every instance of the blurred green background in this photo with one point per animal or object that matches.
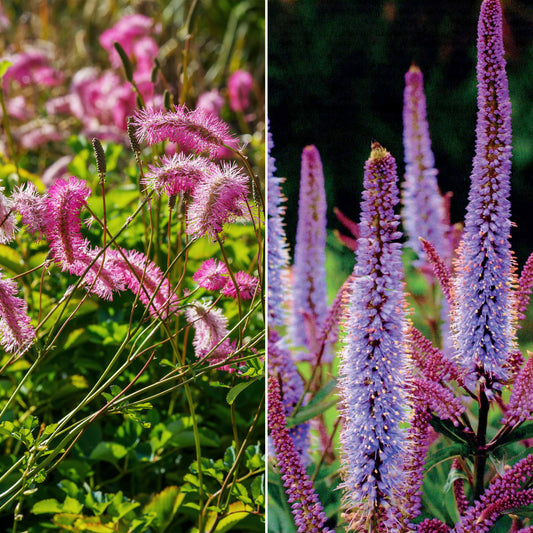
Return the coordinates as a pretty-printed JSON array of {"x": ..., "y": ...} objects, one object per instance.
[{"x": 336, "y": 78}]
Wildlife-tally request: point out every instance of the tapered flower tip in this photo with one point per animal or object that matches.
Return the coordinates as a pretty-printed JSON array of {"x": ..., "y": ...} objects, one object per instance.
[
  {"x": 414, "y": 69},
  {"x": 377, "y": 151}
]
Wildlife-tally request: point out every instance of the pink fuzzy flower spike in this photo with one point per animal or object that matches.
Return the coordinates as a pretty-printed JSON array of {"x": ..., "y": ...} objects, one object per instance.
[
  {"x": 32, "y": 207},
  {"x": 217, "y": 200},
  {"x": 211, "y": 332},
  {"x": 212, "y": 275},
  {"x": 177, "y": 173},
  {"x": 17, "y": 334},
  {"x": 240, "y": 85},
  {"x": 247, "y": 285},
  {"x": 154, "y": 291},
  {"x": 198, "y": 130},
  {"x": 7, "y": 220}
]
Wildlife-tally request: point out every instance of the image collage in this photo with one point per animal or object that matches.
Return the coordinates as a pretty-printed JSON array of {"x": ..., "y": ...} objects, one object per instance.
[{"x": 266, "y": 266}]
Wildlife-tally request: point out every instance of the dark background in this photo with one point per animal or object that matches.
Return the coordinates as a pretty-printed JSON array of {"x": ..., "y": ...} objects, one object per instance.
[{"x": 336, "y": 78}]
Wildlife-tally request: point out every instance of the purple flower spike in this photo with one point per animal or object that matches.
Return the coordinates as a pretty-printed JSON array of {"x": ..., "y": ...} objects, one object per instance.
[
  {"x": 373, "y": 360},
  {"x": 525, "y": 283},
  {"x": 484, "y": 324},
  {"x": 497, "y": 498},
  {"x": 307, "y": 510},
  {"x": 432, "y": 525},
  {"x": 278, "y": 255},
  {"x": 16, "y": 331},
  {"x": 521, "y": 401},
  {"x": 424, "y": 210},
  {"x": 409, "y": 492},
  {"x": 309, "y": 270}
]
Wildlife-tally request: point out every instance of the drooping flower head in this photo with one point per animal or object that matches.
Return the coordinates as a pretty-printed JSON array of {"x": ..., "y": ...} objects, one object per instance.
[
  {"x": 7, "y": 218},
  {"x": 143, "y": 277},
  {"x": 307, "y": 510},
  {"x": 211, "y": 331},
  {"x": 212, "y": 275},
  {"x": 32, "y": 208},
  {"x": 63, "y": 225},
  {"x": 483, "y": 318},
  {"x": 246, "y": 284},
  {"x": 16, "y": 331},
  {"x": 309, "y": 302},
  {"x": 69, "y": 248},
  {"x": 197, "y": 130},
  {"x": 218, "y": 199},
  {"x": 176, "y": 173},
  {"x": 373, "y": 359},
  {"x": 423, "y": 214}
]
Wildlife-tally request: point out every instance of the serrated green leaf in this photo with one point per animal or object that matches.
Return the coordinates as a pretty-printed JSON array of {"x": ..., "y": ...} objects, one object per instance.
[{"x": 165, "y": 506}]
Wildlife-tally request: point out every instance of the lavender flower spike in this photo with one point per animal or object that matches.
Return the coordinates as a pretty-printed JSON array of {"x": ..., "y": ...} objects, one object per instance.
[
  {"x": 309, "y": 270},
  {"x": 423, "y": 213},
  {"x": 483, "y": 318},
  {"x": 278, "y": 254},
  {"x": 373, "y": 360},
  {"x": 279, "y": 357}
]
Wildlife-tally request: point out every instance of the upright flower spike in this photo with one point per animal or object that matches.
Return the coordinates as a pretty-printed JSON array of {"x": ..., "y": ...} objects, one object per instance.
[
  {"x": 278, "y": 255},
  {"x": 309, "y": 303},
  {"x": 307, "y": 510},
  {"x": 373, "y": 359},
  {"x": 280, "y": 361},
  {"x": 423, "y": 213},
  {"x": 483, "y": 320}
]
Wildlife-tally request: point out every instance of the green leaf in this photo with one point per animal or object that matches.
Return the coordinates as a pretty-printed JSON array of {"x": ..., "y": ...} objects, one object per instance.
[
  {"x": 446, "y": 453},
  {"x": 258, "y": 489},
  {"x": 47, "y": 506},
  {"x": 234, "y": 516},
  {"x": 523, "y": 432},
  {"x": 321, "y": 402},
  {"x": 11, "y": 259},
  {"x": 111, "y": 452},
  {"x": 164, "y": 505},
  {"x": 70, "y": 505},
  {"x": 126, "y": 63},
  {"x": 447, "y": 428},
  {"x": 4, "y": 65},
  {"x": 235, "y": 391}
]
